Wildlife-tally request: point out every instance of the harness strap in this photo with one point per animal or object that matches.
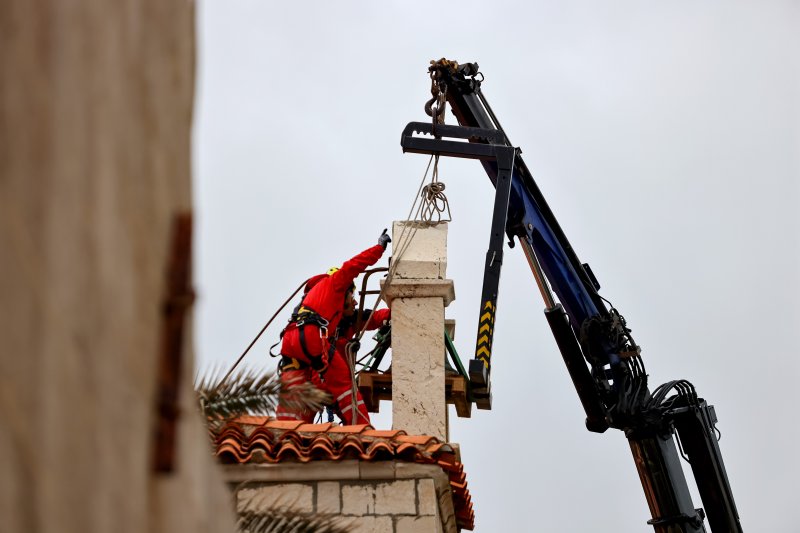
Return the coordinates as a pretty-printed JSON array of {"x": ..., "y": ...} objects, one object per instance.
[
  {"x": 332, "y": 342},
  {"x": 317, "y": 362},
  {"x": 271, "y": 354},
  {"x": 303, "y": 344},
  {"x": 306, "y": 315},
  {"x": 303, "y": 316}
]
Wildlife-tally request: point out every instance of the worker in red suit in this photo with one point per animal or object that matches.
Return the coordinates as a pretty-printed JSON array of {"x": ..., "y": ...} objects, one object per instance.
[
  {"x": 305, "y": 346},
  {"x": 338, "y": 383}
]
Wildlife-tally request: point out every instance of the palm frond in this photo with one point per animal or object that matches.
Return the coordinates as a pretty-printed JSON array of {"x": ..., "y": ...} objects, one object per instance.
[
  {"x": 305, "y": 397},
  {"x": 282, "y": 520},
  {"x": 246, "y": 391},
  {"x": 253, "y": 392}
]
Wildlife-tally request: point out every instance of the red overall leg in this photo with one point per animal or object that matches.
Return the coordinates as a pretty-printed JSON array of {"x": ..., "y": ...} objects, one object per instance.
[
  {"x": 291, "y": 379},
  {"x": 337, "y": 380}
]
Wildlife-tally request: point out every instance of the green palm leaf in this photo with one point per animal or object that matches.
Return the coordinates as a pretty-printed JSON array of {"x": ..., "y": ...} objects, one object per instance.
[{"x": 252, "y": 392}]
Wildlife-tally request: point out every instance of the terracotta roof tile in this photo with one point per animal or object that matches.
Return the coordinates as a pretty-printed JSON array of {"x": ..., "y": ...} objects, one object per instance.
[
  {"x": 315, "y": 428},
  {"x": 252, "y": 420},
  {"x": 276, "y": 424},
  {"x": 350, "y": 429},
  {"x": 255, "y": 439},
  {"x": 416, "y": 439},
  {"x": 384, "y": 434}
]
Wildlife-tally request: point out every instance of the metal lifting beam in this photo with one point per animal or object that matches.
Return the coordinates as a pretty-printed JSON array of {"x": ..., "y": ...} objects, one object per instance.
[{"x": 487, "y": 145}]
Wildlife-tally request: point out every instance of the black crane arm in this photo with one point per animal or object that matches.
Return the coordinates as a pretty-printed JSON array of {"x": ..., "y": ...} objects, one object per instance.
[{"x": 601, "y": 356}]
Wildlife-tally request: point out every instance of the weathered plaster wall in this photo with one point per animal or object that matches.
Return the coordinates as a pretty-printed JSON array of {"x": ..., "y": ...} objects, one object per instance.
[{"x": 95, "y": 116}]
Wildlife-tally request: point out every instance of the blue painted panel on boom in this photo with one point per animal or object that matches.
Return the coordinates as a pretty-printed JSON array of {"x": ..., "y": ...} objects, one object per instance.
[{"x": 565, "y": 282}]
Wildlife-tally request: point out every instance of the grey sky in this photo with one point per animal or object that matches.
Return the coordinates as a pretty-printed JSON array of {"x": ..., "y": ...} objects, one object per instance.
[{"x": 666, "y": 137}]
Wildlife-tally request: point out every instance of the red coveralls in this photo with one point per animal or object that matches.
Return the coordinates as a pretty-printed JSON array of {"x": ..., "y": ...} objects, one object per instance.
[
  {"x": 338, "y": 383},
  {"x": 326, "y": 298}
]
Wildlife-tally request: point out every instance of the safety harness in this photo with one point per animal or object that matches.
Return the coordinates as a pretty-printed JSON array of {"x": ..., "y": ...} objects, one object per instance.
[{"x": 302, "y": 316}]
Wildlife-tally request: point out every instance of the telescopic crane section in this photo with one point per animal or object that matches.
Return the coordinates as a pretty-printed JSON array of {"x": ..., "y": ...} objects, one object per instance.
[{"x": 601, "y": 356}]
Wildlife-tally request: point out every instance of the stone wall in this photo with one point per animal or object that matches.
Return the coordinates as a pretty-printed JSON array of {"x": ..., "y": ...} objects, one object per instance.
[
  {"x": 379, "y": 497},
  {"x": 95, "y": 134}
]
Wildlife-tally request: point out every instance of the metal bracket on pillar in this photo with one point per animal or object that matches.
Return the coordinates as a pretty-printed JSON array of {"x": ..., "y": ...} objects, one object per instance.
[{"x": 484, "y": 144}]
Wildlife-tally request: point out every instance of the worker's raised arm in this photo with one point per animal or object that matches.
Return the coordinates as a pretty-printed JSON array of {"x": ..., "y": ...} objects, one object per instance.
[{"x": 351, "y": 268}]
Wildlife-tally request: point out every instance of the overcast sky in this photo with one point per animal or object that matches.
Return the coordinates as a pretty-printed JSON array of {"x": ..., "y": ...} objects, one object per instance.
[{"x": 666, "y": 138}]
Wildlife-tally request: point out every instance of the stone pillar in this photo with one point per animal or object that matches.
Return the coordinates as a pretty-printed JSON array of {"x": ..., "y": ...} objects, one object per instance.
[{"x": 418, "y": 294}]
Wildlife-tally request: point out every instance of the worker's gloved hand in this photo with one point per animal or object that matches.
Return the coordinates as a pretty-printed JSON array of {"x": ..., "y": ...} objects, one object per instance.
[{"x": 384, "y": 239}]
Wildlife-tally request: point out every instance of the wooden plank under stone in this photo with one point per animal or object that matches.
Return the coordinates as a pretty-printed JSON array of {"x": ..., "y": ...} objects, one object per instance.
[{"x": 375, "y": 386}]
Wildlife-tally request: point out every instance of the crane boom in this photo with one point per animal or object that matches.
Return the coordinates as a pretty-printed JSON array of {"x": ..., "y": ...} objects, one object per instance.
[{"x": 599, "y": 352}]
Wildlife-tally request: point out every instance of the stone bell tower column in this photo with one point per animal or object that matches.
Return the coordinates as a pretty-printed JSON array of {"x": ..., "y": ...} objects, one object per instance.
[{"x": 418, "y": 294}]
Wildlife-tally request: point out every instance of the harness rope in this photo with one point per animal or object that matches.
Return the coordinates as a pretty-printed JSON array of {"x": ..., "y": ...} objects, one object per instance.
[{"x": 259, "y": 335}]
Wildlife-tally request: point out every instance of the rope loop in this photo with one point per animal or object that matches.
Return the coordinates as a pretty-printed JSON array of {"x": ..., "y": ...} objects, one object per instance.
[{"x": 434, "y": 204}]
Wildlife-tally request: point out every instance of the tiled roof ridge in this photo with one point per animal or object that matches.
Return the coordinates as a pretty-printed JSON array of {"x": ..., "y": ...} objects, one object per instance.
[{"x": 261, "y": 439}]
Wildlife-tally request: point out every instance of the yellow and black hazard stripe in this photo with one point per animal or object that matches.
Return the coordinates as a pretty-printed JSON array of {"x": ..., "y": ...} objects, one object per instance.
[{"x": 483, "y": 348}]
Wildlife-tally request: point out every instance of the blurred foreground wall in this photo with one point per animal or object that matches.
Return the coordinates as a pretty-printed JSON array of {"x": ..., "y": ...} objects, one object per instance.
[{"x": 95, "y": 116}]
